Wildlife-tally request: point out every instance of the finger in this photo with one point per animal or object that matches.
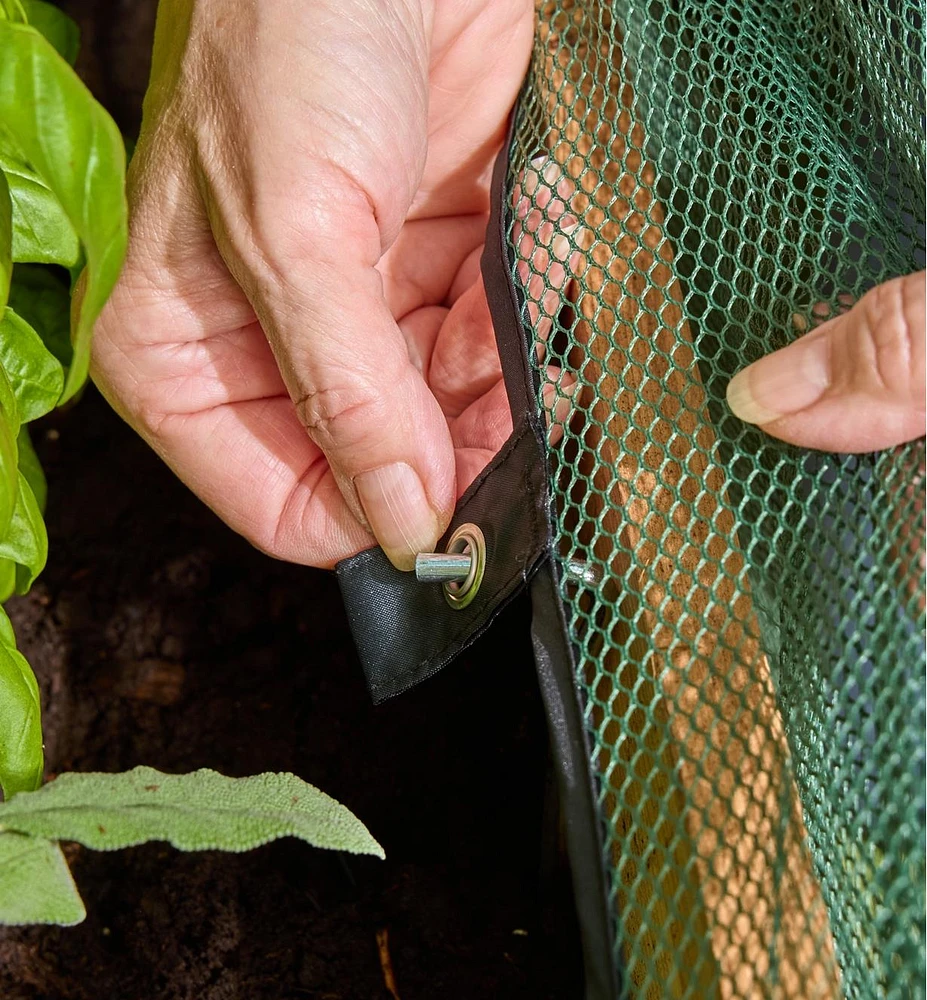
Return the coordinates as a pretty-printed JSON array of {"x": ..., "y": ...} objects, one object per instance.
[
  {"x": 856, "y": 383},
  {"x": 468, "y": 274},
  {"x": 557, "y": 393},
  {"x": 425, "y": 324},
  {"x": 552, "y": 261},
  {"x": 214, "y": 407},
  {"x": 821, "y": 311},
  {"x": 464, "y": 363},
  {"x": 480, "y": 432},
  {"x": 546, "y": 237},
  {"x": 359, "y": 393},
  {"x": 429, "y": 260},
  {"x": 176, "y": 335},
  {"x": 253, "y": 464},
  {"x": 185, "y": 377}
]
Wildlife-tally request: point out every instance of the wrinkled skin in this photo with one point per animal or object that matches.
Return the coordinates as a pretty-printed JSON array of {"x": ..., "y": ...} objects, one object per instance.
[
  {"x": 300, "y": 329},
  {"x": 854, "y": 383},
  {"x": 308, "y": 202}
]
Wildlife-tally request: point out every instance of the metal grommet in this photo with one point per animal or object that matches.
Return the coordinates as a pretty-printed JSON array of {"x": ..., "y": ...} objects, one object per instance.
[{"x": 467, "y": 540}]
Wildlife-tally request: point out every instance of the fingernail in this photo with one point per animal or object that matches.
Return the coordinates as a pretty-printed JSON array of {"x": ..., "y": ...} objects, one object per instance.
[
  {"x": 785, "y": 382},
  {"x": 394, "y": 501}
]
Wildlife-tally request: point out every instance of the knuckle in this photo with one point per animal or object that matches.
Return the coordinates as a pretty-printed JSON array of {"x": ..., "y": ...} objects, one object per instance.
[
  {"x": 885, "y": 330},
  {"x": 339, "y": 417},
  {"x": 317, "y": 214},
  {"x": 149, "y": 418}
]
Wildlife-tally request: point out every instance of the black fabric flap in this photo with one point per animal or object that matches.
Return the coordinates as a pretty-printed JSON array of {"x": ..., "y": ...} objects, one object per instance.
[{"x": 404, "y": 630}]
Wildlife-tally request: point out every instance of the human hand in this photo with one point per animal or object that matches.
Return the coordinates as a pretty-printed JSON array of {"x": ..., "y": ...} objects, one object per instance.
[
  {"x": 855, "y": 383},
  {"x": 300, "y": 330}
]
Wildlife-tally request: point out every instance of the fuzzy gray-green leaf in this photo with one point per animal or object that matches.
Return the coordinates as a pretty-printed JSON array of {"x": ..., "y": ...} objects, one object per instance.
[
  {"x": 36, "y": 886},
  {"x": 195, "y": 812}
]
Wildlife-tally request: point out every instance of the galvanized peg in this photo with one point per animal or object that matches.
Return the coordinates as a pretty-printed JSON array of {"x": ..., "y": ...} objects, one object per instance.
[{"x": 442, "y": 567}]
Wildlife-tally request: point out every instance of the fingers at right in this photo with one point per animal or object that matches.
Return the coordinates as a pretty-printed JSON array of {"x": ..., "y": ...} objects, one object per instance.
[{"x": 856, "y": 383}]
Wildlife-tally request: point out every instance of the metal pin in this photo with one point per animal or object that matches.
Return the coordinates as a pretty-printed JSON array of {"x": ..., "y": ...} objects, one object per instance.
[
  {"x": 460, "y": 569},
  {"x": 579, "y": 571},
  {"x": 442, "y": 567}
]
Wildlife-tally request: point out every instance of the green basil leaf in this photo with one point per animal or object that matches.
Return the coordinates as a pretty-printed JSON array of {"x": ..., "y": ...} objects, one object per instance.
[
  {"x": 9, "y": 452},
  {"x": 20, "y": 718},
  {"x": 44, "y": 302},
  {"x": 7, "y": 579},
  {"x": 12, "y": 10},
  {"x": 31, "y": 468},
  {"x": 56, "y": 26},
  {"x": 6, "y": 239},
  {"x": 67, "y": 138},
  {"x": 202, "y": 811},
  {"x": 35, "y": 374},
  {"x": 42, "y": 231},
  {"x": 36, "y": 886},
  {"x": 26, "y": 540}
]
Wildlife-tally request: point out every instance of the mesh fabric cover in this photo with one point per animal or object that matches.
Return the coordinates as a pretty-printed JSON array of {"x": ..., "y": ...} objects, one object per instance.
[{"x": 694, "y": 184}]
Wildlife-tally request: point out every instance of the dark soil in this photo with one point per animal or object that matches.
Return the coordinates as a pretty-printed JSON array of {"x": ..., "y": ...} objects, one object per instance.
[{"x": 159, "y": 637}]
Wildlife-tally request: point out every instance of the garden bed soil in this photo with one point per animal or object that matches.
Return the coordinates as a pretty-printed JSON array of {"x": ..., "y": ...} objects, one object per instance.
[{"x": 160, "y": 637}]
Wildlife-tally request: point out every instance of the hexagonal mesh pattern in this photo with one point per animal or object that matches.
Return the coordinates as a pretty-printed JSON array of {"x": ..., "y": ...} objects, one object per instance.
[{"x": 693, "y": 184}]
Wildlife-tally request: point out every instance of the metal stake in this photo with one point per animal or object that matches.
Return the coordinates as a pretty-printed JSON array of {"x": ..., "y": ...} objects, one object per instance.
[{"x": 442, "y": 567}]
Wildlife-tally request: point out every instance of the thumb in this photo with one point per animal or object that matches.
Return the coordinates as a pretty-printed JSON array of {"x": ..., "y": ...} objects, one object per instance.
[
  {"x": 311, "y": 277},
  {"x": 856, "y": 383},
  {"x": 303, "y": 241},
  {"x": 363, "y": 400}
]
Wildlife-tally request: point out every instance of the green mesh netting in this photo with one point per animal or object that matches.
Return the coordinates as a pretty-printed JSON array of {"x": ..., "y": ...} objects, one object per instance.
[{"x": 694, "y": 183}]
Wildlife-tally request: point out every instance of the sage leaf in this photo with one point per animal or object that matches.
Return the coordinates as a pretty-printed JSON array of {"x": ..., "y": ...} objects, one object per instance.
[
  {"x": 26, "y": 540},
  {"x": 36, "y": 886},
  {"x": 31, "y": 468},
  {"x": 35, "y": 374},
  {"x": 50, "y": 119},
  {"x": 42, "y": 232},
  {"x": 20, "y": 718},
  {"x": 200, "y": 811},
  {"x": 56, "y": 26},
  {"x": 44, "y": 302}
]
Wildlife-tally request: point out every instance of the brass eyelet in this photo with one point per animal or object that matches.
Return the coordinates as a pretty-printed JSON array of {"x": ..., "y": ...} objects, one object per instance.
[
  {"x": 459, "y": 569},
  {"x": 467, "y": 540}
]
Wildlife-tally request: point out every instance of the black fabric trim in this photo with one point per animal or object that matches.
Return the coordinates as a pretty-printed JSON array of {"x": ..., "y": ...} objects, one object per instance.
[
  {"x": 572, "y": 754},
  {"x": 404, "y": 630}
]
